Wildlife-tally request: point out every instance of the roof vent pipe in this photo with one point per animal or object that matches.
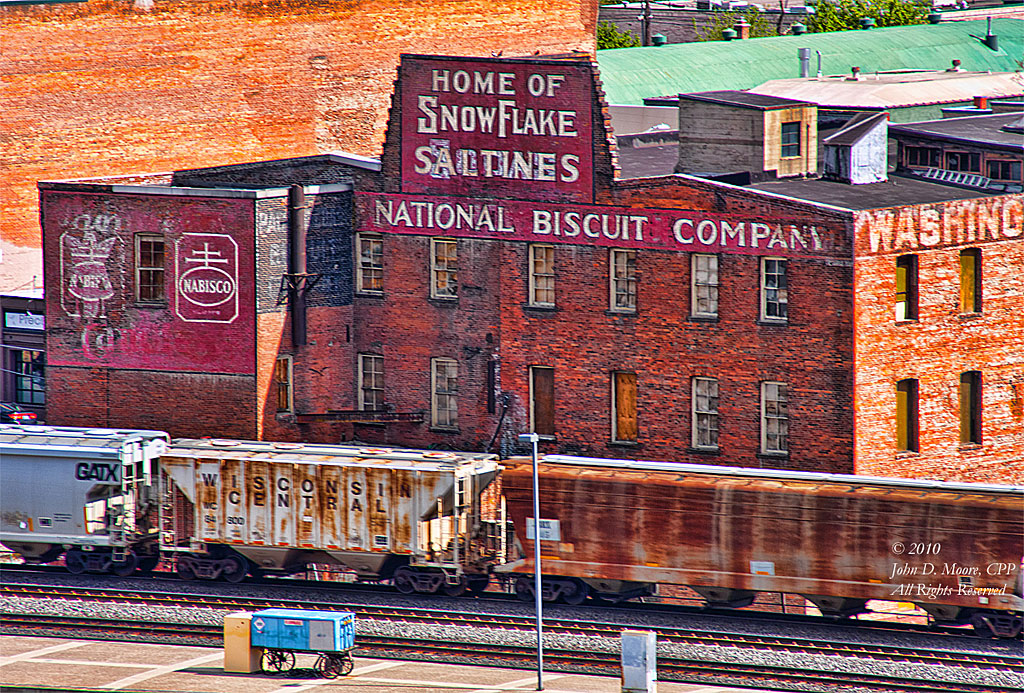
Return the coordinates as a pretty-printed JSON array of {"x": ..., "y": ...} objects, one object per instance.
[
  {"x": 991, "y": 40},
  {"x": 819, "y": 63},
  {"x": 658, "y": 40},
  {"x": 805, "y": 61},
  {"x": 955, "y": 68},
  {"x": 798, "y": 29},
  {"x": 854, "y": 74},
  {"x": 728, "y": 34},
  {"x": 867, "y": 22},
  {"x": 742, "y": 28},
  {"x": 297, "y": 260}
]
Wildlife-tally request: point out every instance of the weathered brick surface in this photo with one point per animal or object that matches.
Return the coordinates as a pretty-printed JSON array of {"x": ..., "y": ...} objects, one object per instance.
[
  {"x": 101, "y": 87},
  {"x": 942, "y": 343}
]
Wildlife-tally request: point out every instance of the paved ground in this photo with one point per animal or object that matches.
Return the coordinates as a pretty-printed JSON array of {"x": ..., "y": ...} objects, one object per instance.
[{"x": 92, "y": 665}]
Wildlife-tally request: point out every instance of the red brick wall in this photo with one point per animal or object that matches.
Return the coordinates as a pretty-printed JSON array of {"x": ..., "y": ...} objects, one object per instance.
[
  {"x": 101, "y": 87},
  {"x": 942, "y": 343}
]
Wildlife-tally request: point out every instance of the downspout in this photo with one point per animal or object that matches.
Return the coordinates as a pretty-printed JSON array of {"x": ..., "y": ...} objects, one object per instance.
[{"x": 297, "y": 261}]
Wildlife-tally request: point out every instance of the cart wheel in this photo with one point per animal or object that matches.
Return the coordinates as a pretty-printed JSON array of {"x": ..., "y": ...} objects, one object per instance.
[
  {"x": 331, "y": 666},
  {"x": 346, "y": 664},
  {"x": 277, "y": 661}
]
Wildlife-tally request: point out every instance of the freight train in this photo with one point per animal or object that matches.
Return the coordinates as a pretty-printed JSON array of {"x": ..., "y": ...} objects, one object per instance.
[{"x": 429, "y": 521}]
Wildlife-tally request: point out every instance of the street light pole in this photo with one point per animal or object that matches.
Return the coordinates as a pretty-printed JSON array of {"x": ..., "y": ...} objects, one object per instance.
[{"x": 533, "y": 438}]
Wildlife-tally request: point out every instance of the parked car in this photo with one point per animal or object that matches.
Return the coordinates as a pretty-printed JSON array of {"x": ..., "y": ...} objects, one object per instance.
[{"x": 11, "y": 412}]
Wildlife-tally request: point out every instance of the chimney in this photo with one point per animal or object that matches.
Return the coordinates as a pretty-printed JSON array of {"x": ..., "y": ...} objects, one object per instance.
[
  {"x": 955, "y": 68},
  {"x": 742, "y": 28},
  {"x": 854, "y": 75},
  {"x": 805, "y": 61},
  {"x": 981, "y": 102}
]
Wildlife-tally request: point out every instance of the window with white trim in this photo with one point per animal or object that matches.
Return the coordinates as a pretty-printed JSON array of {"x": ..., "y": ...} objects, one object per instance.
[
  {"x": 149, "y": 269},
  {"x": 704, "y": 285},
  {"x": 705, "y": 413},
  {"x": 371, "y": 382},
  {"x": 444, "y": 406},
  {"x": 444, "y": 268},
  {"x": 622, "y": 265},
  {"x": 774, "y": 290},
  {"x": 369, "y": 263},
  {"x": 774, "y": 418},
  {"x": 542, "y": 275}
]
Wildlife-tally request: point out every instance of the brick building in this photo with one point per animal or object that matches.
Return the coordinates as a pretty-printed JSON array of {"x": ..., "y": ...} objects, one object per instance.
[
  {"x": 500, "y": 274},
  {"x": 189, "y": 84}
]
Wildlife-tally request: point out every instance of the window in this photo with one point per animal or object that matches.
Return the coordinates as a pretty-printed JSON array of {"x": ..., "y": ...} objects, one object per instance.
[
  {"x": 542, "y": 275},
  {"x": 29, "y": 381},
  {"x": 922, "y": 156},
  {"x": 774, "y": 419},
  {"x": 370, "y": 263},
  {"x": 443, "y": 268},
  {"x": 705, "y": 413},
  {"x": 906, "y": 287},
  {"x": 623, "y": 280},
  {"x": 444, "y": 405},
  {"x": 970, "y": 408},
  {"x": 1005, "y": 170},
  {"x": 906, "y": 416},
  {"x": 963, "y": 161},
  {"x": 542, "y": 400},
  {"x": 704, "y": 285},
  {"x": 283, "y": 383},
  {"x": 371, "y": 382},
  {"x": 774, "y": 294},
  {"x": 790, "y": 139},
  {"x": 624, "y": 427},
  {"x": 149, "y": 269},
  {"x": 970, "y": 280}
]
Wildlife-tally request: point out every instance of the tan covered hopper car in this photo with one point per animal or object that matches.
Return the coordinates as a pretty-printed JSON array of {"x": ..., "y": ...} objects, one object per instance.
[
  {"x": 234, "y": 507},
  {"x": 619, "y": 528}
]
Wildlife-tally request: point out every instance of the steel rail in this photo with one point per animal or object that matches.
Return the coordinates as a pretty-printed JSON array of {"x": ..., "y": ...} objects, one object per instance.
[
  {"x": 666, "y": 634},
  {"x": 669, "y": 668}
]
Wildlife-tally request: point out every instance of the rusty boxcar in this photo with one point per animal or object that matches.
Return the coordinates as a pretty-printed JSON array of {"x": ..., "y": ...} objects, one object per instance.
[
  {"x": 618, "y": 528},
  {"x": 233, "y": 507}
]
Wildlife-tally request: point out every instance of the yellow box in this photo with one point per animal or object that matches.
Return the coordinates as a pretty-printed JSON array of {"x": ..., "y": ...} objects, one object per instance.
[{"x": 240, "y": 657}]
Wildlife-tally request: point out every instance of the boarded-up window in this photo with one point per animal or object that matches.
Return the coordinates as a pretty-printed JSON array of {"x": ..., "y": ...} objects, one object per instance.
[
  {"x": 970, "y": 407},
  {"x": 283, "y": 383},
  {"x": 906, "y": 287},
  {"x": 624, "y": 400},
  {"x": 906, "y": 416},
  {"x": 970, "y": 280},
  {"x": 542, "y": 400}
]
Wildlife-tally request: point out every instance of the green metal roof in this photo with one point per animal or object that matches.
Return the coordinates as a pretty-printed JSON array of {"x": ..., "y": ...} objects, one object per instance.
[{"x": 632, "y": 74}]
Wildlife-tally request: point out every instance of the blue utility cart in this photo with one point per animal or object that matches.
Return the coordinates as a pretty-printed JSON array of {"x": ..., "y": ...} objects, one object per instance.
[{"x": 283, "y": 632}]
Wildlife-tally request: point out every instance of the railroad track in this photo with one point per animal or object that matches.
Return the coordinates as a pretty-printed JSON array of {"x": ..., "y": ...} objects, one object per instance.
[
  {"x": 527, "y": 624},
  {"x": 669, "y": 668}
]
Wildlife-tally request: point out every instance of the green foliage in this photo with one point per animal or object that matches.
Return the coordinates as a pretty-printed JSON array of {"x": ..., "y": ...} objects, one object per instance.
[
  {"x": 841, "y": 15},
  {"x": 759, "y": 25},
  {"x": 609, "y": 36}
]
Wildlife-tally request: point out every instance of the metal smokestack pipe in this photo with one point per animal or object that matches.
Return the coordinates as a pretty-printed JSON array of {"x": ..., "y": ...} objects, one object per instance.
[
  {"x": 297, "y": 260},
  {"x": 805, "y": 61}
]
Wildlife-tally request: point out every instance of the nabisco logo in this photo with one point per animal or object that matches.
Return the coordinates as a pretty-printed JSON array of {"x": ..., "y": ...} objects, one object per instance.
[{"x": 207, "y": 271}]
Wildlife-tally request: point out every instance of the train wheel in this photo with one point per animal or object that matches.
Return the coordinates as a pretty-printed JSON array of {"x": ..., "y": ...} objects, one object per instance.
[
  {"x": 524, "y": 589},
  {"x": 456, "y": 590},
  {"x": 403, "y": 581},
  {"x": 575, "y": 592},
  {"x": 74, "y": 562},
  {"x": 126, "y": 567},
  {"x": 234, "y": 569},
  {"x": 147, "y": 564},
  {"x": 185, "y": 571},
  {"x": 277, "y": 661},
  {"x": 478, "y": 584}
]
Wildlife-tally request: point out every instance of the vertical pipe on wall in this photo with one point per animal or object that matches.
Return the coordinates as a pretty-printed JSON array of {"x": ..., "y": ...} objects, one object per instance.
[{"x": 297, "y": 260}]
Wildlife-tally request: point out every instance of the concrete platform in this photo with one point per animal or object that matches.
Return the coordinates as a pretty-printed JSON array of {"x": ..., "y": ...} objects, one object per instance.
[{"x": 47, "y": 664}]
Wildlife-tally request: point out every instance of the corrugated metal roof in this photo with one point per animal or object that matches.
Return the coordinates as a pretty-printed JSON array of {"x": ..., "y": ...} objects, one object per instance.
[
  {"x": 896, "y": 90},
  {"x": 631, "y": 74}
]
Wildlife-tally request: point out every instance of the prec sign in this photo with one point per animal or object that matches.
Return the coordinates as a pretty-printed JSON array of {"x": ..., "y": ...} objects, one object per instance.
[{"x": 514, "y": 128}]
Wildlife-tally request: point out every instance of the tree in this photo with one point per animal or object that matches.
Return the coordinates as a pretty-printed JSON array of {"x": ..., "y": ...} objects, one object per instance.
[
  {"x": 841, "y": 15},
  {"x": 609, "y": 36}
]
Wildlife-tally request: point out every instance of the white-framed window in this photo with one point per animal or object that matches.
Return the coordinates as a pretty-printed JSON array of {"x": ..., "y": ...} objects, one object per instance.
[
  {"x": 622, "y": 276},
  {"x": 705, "y": 413},
  {"x": 774, "y": 290},
  {"x": 149, "y": 268},
  {"x": 283, "y": 383},
  {"x": 542, "y": 275},
  {"x": 371, "y": 382},
  {"x": 369, "y": 263},
  {"x": 704, "y": 285},
  {"x": 444, "y": 405},
  {"x": 774, "y": 418},
  {"x": 444, "y": 268}
]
